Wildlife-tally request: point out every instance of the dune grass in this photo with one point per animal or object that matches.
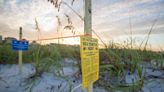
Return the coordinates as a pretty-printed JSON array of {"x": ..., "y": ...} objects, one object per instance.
[{"x": 114, "y": 60}]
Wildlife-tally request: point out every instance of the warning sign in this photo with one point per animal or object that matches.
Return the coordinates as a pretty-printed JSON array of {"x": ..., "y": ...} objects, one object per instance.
[{"x": 89, "y": 60}]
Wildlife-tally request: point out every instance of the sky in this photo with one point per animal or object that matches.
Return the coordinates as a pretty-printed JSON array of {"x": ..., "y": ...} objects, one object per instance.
[{"x": 112, "y": 20}]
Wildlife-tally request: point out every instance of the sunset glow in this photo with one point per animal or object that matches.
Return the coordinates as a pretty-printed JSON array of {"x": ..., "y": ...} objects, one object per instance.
[{"x": 111, "y": 19}]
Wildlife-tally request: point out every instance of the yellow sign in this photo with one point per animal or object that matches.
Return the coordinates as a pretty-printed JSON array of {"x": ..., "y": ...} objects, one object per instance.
[{"x": 89, "y": 60}]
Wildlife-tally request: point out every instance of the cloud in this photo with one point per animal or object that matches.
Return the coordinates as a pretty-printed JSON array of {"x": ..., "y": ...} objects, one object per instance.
[
  {"x": 114, "y": 19},
  {"x": 6, "y": 31},
  {"x": 110, "y": 17},
  {"x": 24, "y": 13}
]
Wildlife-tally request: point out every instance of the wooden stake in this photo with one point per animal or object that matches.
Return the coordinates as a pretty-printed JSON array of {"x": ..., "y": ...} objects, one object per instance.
[
  {"x": 20, "y": 51},
  {"x": 88, "y": 28}
]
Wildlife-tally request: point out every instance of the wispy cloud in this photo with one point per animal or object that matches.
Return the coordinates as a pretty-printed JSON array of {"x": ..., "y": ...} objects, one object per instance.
[{"x": 110, "y": 17}]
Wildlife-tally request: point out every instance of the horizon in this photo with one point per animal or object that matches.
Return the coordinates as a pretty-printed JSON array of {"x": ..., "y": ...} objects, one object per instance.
[{"x": 101, "y": 46}]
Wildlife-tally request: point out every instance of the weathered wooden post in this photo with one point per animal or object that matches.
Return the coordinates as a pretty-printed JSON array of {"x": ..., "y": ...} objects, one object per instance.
[
  {"x": 88, "y": 27},
  {"x": 20, "y": 51}
]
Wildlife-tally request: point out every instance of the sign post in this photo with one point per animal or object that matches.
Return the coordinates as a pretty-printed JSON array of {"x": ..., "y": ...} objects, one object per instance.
[
  {"x": 20, "y": 51},
  {"x": 88, "y": 29},
  {"x": 20, "y": 46}
]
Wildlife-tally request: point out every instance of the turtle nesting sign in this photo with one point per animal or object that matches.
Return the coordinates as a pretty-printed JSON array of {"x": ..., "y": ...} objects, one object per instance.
[{"x": 89, "y": 60}]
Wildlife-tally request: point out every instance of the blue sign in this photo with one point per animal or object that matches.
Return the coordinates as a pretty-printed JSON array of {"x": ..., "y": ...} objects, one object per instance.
[{"x": 20, "y": 45}]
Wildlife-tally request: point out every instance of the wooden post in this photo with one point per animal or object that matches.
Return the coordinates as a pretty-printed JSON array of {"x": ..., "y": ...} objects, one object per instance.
[
  {"x": 20, "y": 51},
  {"x": 88, "y": 17},
  {"x": 88, "y": 27}
]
